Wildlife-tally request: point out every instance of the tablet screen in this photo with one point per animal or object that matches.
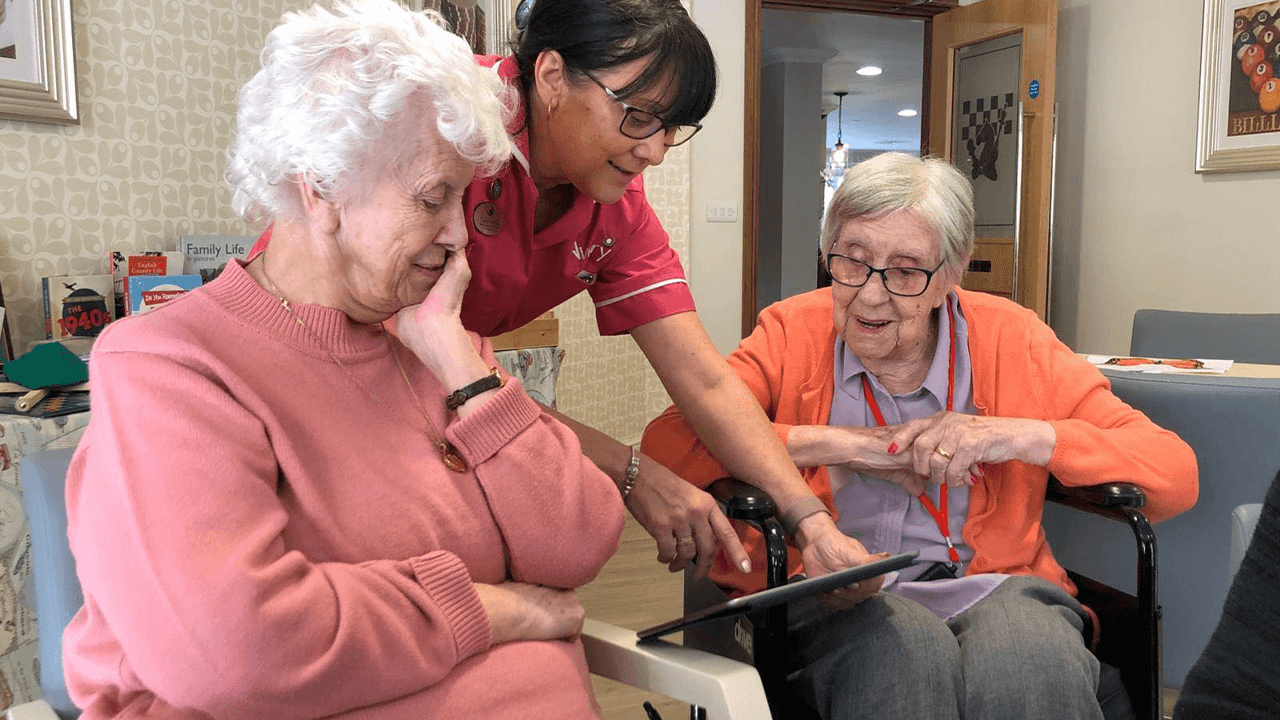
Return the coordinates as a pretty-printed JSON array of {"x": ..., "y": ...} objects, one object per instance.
[{"x": 787, "y": 593}]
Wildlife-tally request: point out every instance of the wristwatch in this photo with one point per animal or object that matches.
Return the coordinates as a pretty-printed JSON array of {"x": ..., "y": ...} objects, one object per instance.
[{"x": 455, "y": 399}]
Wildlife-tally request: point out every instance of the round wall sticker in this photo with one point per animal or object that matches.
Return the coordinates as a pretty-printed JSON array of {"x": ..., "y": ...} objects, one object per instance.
[{"x": 1034, "y": 89}]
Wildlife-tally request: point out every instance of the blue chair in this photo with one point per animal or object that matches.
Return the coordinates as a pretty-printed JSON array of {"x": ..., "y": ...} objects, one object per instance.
[
  {"x": 1247, "y": 338},
  {"x": 1243, "y": 521},
  {"x": 53, "y": 569}
]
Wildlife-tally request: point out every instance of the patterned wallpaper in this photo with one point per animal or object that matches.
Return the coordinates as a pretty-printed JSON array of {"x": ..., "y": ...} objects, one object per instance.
[{"x": 157, "y": 83}]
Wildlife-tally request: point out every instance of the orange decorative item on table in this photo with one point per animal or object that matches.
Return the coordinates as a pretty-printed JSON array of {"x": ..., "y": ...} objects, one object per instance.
[{"x": 1187, "y": 364}]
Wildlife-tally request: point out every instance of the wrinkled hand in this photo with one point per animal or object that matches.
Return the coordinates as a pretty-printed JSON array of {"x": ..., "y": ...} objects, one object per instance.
[
  {"x": 670, "y": 508},
  {"x": 521, "y": 611},
  {"x": 827, "y": 550},
  {"x": 433, "y": 330},
  {"x": 873, "y": 460},
  {"x": 971, "y": 441}
]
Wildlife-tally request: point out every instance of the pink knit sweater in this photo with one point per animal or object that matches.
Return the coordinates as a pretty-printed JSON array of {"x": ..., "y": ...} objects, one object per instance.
[{"x": 258, "y": 538}]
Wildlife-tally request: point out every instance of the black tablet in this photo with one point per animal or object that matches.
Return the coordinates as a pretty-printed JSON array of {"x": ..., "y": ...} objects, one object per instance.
[{"x": 787, "y": 593}]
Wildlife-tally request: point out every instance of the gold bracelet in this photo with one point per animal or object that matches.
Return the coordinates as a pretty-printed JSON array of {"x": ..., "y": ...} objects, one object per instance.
[{"x": 629, "y": 477}]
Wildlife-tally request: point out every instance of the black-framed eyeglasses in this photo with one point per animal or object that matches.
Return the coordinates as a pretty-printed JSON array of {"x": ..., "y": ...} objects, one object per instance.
[
  {"x": 640, "y": 124},
  {"x": 900, "y": 281}
]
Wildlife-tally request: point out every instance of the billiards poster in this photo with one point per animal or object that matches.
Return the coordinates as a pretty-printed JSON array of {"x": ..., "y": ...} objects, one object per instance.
[{"x": 1239, "y": 89}]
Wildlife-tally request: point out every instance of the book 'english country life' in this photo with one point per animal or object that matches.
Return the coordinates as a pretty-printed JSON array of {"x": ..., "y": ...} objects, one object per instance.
[{"x": 151, "y": 262}]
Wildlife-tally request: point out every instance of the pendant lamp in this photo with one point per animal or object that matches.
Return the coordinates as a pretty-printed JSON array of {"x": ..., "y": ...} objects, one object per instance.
[{"x": 839, "y": 155}]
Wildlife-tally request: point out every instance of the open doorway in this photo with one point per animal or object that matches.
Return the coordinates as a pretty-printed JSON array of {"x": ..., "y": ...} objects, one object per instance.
[{"x": 835, "y": 88}]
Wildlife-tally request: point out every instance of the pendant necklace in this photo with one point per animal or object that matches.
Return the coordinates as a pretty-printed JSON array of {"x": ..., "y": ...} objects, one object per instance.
[{"x": 448, "y": 454}]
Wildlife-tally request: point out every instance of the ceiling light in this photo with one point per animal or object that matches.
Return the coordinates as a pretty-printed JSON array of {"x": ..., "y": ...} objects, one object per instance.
[
  {"x": 908, "y": 113},
  {"x": 869, "y": 70}
]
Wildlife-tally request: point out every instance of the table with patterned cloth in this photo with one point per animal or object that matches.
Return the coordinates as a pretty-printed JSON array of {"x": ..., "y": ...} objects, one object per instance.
[
  {"x": 538, "y": 368},
  {"x": 19, "y": 660}
]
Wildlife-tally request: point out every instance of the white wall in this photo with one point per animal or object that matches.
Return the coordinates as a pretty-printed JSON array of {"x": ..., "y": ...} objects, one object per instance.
[
  {"x": 1135, "y": 225},
  {"x": 715, "y": 256}
]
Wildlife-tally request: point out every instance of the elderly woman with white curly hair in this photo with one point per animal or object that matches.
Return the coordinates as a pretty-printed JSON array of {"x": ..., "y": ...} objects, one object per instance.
[
  {"x": 928, "y": 418},
  {"x": 281, "y": 511}
]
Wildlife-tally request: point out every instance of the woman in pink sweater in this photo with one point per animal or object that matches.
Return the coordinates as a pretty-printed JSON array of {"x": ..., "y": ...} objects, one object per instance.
[
  {"x": 925, "y": 417},
  {"x": 281, "y": 511}
]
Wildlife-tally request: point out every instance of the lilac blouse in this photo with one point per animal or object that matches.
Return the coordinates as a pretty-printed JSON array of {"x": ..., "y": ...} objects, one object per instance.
[{"x": 879, "y": 513}]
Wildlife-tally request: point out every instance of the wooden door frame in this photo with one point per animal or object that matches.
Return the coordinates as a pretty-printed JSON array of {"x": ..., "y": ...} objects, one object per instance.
[{"x": 916, "y": 9}]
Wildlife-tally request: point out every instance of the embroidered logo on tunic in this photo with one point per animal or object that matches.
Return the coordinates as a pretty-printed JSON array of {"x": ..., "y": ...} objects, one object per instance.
[{"x": 595, "y": 253}]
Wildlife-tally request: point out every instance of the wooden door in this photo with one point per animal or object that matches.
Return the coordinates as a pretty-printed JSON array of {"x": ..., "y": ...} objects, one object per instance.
[{"x": 997, "y": 125}]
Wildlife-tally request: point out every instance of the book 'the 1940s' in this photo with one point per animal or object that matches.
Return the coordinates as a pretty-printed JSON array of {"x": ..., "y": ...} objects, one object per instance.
[{"x": 77, "y": 305}]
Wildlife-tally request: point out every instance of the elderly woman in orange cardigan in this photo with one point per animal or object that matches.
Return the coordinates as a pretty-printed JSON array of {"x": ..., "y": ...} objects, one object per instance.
[{"x": 926, "y": 417}]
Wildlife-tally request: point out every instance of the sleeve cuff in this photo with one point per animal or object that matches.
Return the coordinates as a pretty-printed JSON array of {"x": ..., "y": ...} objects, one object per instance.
[
  {"x": 447, "y": 582},
  {"x": 1066, "y": 447},
  {"x": 631, "y": 310},
  {"x": 484, "y": 432}
]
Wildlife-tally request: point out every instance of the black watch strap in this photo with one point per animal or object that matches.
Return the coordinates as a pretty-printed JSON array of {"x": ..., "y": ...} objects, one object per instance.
[{"x": 455, "y": 399}]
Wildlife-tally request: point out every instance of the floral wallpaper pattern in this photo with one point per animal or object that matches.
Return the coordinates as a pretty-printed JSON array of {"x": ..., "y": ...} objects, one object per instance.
[{"x": 157, "y": 81}]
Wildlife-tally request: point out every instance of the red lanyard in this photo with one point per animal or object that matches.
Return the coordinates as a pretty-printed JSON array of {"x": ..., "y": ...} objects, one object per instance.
[{"x": 939, "y": 513}]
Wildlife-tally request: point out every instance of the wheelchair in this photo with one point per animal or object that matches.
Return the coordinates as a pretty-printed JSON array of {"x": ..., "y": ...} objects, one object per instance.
[{"x": 1128, "y": 645}]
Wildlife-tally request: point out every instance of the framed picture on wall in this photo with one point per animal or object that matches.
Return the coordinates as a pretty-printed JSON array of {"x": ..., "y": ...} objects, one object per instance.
[
  {"x": 37, "y": 62},
  {"x": 464, "y": 17},
  {"x": 6, "y": 340},
  {"x": 1239, "y": 126}
]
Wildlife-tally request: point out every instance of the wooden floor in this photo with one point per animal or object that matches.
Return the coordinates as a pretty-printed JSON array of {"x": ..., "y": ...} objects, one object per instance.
[{"x": 635, "y": 592}]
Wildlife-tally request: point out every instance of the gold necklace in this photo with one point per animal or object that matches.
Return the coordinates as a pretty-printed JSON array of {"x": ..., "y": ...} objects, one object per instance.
[{"x": 448, "y": 454}]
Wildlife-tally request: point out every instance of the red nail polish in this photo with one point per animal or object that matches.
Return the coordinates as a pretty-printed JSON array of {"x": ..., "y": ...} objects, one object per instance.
[
  {"x": 893, "y": 449},
  {"x": 972, "y": 479}
]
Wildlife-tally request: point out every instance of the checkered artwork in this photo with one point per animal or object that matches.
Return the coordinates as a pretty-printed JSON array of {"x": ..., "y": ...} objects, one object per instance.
[{"x": 987, "y": 120}]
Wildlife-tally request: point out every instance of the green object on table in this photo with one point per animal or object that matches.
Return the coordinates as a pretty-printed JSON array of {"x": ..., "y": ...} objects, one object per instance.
[{"x": 47, "y": 365}]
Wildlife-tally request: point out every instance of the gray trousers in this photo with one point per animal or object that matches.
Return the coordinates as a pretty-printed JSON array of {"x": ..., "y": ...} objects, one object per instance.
[{"x": 1019, "y": 653}]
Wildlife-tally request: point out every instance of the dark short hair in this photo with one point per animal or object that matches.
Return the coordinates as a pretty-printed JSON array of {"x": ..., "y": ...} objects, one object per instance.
[{"x": 596, "y": 35}]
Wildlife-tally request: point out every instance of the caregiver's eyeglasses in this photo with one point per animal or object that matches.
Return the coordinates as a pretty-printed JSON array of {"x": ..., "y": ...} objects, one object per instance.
[
  {"x": 640, "y": 124},
  {"x": 901, "y": 281}
]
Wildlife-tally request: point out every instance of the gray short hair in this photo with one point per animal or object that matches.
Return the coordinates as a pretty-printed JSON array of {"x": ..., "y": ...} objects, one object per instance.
[
  {"x": 330, "y": 86},
  {"x": 890, "y": 182}
]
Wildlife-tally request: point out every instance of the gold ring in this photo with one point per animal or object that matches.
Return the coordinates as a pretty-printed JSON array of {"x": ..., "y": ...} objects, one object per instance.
[
  {"x": 687, "y": 540},
  {"x": 942, "y": 452}
]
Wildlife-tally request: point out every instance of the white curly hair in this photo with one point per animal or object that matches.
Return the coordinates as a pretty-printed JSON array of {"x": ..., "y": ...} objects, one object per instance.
[{"x": 331, "y": 85}]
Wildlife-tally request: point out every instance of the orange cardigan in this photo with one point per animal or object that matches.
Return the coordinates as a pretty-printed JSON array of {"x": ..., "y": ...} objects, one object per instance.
[{"x": 1020, "y": 369}]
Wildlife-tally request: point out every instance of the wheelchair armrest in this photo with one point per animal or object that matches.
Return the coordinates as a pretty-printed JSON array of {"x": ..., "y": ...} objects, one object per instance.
[
  {"x": 1104, "y": 499},
  {"x": 36, "y": 710},
  {"x": 742, "y": 501},
  {"x": 725, "y": 688}
]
